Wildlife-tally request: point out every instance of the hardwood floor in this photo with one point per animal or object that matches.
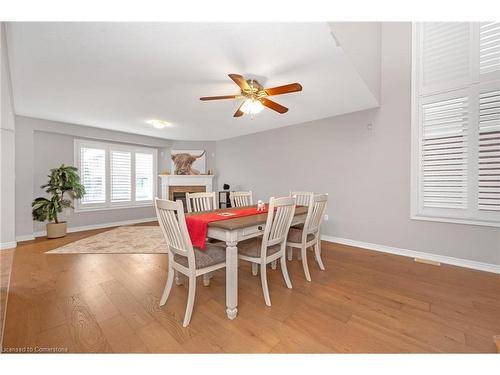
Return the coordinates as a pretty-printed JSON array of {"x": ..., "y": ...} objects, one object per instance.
[
  {"x": 365, "y": 302},
  {"x": 6, "y": 257}
]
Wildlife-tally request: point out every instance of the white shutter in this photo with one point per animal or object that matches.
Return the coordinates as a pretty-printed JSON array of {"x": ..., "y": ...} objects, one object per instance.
[
  {"x": 93, "y": 174},
  {"x": 445, "y": 55},
  {"x": 121, "y": 171},
  {"x": 143, "y": 176},
  {"x": 489, "y": 151},
  {"x": 489, "y": 47},
  {"x": 443, "y": 174}
]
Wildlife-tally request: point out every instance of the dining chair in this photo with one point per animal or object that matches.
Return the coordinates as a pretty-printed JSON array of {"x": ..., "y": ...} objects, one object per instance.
[
  {"x": 241, "y": 198},
  {"x": 271, "y": 245},
  {"x": 308, "y": 235},
  {"x": 302, "y": 198},
  {"x": 196, "y": 202},
  {"x": 182, "y": 256}
]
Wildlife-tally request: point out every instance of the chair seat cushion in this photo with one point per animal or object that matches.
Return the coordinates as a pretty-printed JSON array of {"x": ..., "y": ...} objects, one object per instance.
[
  {"x": 212, "y": 254},
  {"x": 251, "y": 248},
  {"x": 295, "y": 235}
]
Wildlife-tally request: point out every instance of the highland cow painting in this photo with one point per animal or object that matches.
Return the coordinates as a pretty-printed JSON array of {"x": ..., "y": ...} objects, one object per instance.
[{"x": 188, "y": 162}]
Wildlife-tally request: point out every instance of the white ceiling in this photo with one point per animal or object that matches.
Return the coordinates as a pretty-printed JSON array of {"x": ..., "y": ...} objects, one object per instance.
[{"x": 118, "y": 75}]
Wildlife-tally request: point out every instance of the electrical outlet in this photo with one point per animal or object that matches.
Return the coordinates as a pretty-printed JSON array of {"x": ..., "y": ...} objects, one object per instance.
[{"x": 326, "y": 217}]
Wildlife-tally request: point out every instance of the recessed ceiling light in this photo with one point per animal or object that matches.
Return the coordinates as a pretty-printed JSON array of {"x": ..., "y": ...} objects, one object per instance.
[{"x": 158, "y": 124}]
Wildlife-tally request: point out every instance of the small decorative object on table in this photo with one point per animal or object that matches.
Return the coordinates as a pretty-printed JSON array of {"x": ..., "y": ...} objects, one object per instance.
[{"x": 260, "y": 205}]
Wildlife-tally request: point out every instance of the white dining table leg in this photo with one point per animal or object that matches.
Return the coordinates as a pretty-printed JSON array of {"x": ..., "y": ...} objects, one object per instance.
[
  {"x": 231, "y": 279},
  {"x": 179, "y": 278},
  {"x": 255, "y": 269}
]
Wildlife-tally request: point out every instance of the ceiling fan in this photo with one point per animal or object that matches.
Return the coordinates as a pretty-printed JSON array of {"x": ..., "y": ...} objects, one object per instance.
[{"x": 256, "y": 96}]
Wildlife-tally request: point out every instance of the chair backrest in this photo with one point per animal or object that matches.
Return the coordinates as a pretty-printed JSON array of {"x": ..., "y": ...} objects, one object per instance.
[
  {"x": 315, "y": 213},
  {"x": 196, "y": 202},
  {"x": 241, "y": 198},
  {"x": 279, "y": 219},
  {"x": 302, "y": 198},
  {"x": 173, "y": 225}
]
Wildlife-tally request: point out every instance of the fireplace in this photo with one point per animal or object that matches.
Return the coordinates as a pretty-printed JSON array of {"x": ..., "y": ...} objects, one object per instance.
[
  {"x": 175, "y": 187},
  {"x": 179, "y": 192}
]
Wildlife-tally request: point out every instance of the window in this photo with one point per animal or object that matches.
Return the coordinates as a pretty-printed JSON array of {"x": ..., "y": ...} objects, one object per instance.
[
  {"x": 121, "y": 176},
  {"x": 143, "y": 177},
  {"x": 456, "y": 122},
  {"x": 115, "y": 176},
  {"x": 93, "y": 174}
]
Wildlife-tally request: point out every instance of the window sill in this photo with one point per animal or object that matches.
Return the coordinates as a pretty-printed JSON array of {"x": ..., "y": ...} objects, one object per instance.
[
  {"x": 456, "y": 221},
  {"x": 110, "y": 208}
]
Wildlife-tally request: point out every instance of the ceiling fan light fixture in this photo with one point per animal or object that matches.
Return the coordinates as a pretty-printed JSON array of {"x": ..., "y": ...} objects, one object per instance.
[
  {"x": 158, "y": 124},
  {"x": 251, "y": 107}
]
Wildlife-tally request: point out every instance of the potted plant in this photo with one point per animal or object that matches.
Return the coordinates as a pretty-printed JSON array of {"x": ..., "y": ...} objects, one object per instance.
[{"x": 62, "y": 180}]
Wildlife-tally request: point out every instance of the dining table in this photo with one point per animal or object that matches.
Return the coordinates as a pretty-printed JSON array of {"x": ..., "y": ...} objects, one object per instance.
[{"x": 233, "y": 230}]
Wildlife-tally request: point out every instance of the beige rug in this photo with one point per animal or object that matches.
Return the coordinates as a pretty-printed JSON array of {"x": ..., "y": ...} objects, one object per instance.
[{"x": 121, "y": 240}]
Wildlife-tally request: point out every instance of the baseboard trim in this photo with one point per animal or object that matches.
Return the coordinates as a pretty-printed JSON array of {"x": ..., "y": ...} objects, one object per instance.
[
  {"x": 93, "y": 226},
  {"x": 27, "y": 237},
  {"x": 466, "y": 263},
  {"x": 8, "y": 245}
]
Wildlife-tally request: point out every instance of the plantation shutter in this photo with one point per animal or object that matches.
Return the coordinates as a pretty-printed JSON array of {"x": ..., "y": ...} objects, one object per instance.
[
  {"x": 489, "y": 151},
  {"x": 121, "y": 176},
  {"x": 489, "y": 47},
  {"x": 444, "y": 153},
  {"x": 143, "y": 176},
  {"x": 456, "y": 122},
  {"x": 445, "y": 55},
  {"x": 93, "y": 174}
]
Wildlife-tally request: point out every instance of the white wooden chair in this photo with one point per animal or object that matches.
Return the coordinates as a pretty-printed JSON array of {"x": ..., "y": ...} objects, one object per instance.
[
  {"x": 309, "y": 234},
  {"x": 182, "y": 257},
  {"x": 241, "y": 198},
  {"x": 302, "y": 198},
  {"x": 271, "y": 246},
  {"x": 196, "y": 202}
]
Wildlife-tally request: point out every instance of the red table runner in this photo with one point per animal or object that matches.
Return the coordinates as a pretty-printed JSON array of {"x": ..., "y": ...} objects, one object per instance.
[{"x": 197, "y": 224}]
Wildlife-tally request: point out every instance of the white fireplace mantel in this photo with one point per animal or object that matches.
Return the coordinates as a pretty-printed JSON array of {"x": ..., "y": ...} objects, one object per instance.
[{"x": 184, "y": 180}]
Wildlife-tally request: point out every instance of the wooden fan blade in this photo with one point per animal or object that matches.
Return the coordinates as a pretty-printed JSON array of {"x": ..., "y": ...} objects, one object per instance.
[
  {"x": 273, "y": 105},
  {"x": 292, "y": 87},
  {"x": 219, "y": 97},
  {"x": 238, "y": 112},
  {"x": 240, "y": 81}
]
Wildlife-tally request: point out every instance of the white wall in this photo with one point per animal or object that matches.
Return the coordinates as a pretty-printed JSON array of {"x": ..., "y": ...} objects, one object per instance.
[
  {"x": 366, "y": 172},
  {"x": 7, "y": 147},
  {"x": 361, "y": 41},
  {"x": 42, "y": 145}
]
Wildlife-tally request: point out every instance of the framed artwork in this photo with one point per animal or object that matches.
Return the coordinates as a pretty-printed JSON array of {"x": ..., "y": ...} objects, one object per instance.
[{"x": 188, "y": 162}]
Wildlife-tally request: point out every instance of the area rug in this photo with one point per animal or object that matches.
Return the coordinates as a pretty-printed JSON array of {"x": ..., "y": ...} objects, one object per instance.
[{"x": 121, "y": 240}]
